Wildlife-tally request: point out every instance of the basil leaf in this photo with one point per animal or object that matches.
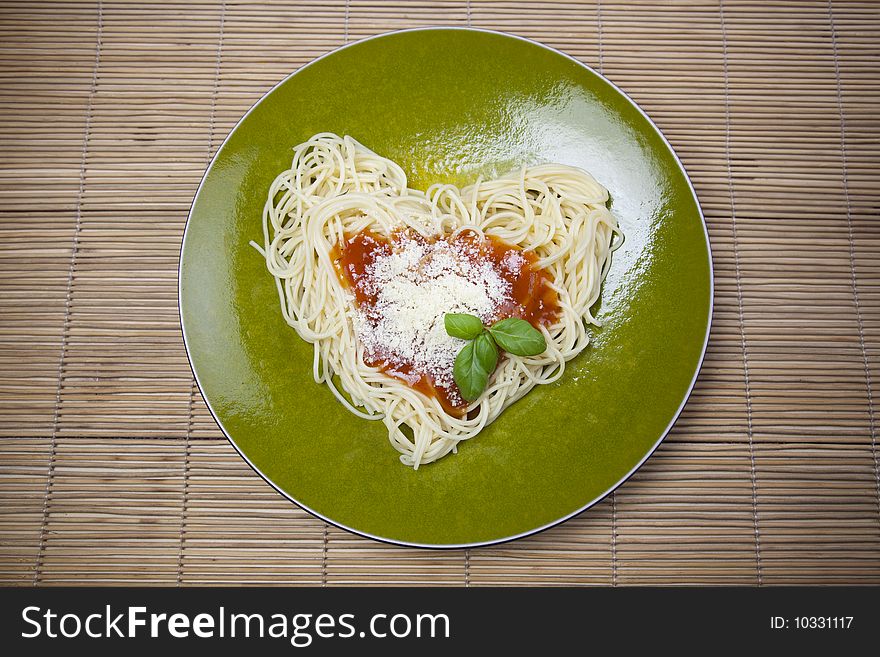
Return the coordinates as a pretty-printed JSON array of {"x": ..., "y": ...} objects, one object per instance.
[
  {"x": 485, "y": 352},
  {"x": 518, "y": 337},
  {"x": 462, "y": 325},
  {"x": 469, "y": 375}
]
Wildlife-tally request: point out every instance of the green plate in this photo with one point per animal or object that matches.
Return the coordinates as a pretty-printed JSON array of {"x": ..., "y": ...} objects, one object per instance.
[{"x": 448, "y": 105}]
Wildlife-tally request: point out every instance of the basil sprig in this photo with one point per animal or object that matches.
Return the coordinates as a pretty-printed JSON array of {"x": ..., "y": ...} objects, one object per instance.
[{"x": 478, "y": 358}]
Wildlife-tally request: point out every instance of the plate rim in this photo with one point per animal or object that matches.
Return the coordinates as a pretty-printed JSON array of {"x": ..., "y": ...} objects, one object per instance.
[{"x": 546, "y": 526}]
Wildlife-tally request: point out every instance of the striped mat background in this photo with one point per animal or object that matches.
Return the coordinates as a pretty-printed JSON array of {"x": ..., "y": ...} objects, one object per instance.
[{"x": 111, "y": 468}]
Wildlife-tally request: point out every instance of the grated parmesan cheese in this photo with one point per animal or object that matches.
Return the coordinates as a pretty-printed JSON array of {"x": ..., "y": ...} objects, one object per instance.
[{"x": 414, "y": 286}]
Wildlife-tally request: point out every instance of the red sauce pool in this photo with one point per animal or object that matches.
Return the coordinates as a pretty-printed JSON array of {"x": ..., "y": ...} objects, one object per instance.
[{"x": 531, "y": 298}]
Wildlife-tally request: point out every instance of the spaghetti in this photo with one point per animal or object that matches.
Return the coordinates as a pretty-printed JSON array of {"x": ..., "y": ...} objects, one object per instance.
[{"x": 552, "y": 217}]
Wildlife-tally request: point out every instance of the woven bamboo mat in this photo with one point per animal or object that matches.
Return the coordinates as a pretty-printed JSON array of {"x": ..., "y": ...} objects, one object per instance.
[{"x": 112, "y": 470}]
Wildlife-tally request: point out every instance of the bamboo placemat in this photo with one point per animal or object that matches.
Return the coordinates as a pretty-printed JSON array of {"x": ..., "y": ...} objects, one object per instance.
[{"x": 112, "y": 470}]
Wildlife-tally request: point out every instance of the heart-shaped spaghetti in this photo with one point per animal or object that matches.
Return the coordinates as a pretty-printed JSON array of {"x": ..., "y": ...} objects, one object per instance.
[{"x": 536, "y": 244}]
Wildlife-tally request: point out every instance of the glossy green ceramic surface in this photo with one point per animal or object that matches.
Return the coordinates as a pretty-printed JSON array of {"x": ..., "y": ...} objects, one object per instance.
[{"x": 447, "y": 105}]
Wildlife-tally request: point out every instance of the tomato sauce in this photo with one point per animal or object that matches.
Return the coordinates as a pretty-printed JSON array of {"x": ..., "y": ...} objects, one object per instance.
[{"x": 531, "y": 297}]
